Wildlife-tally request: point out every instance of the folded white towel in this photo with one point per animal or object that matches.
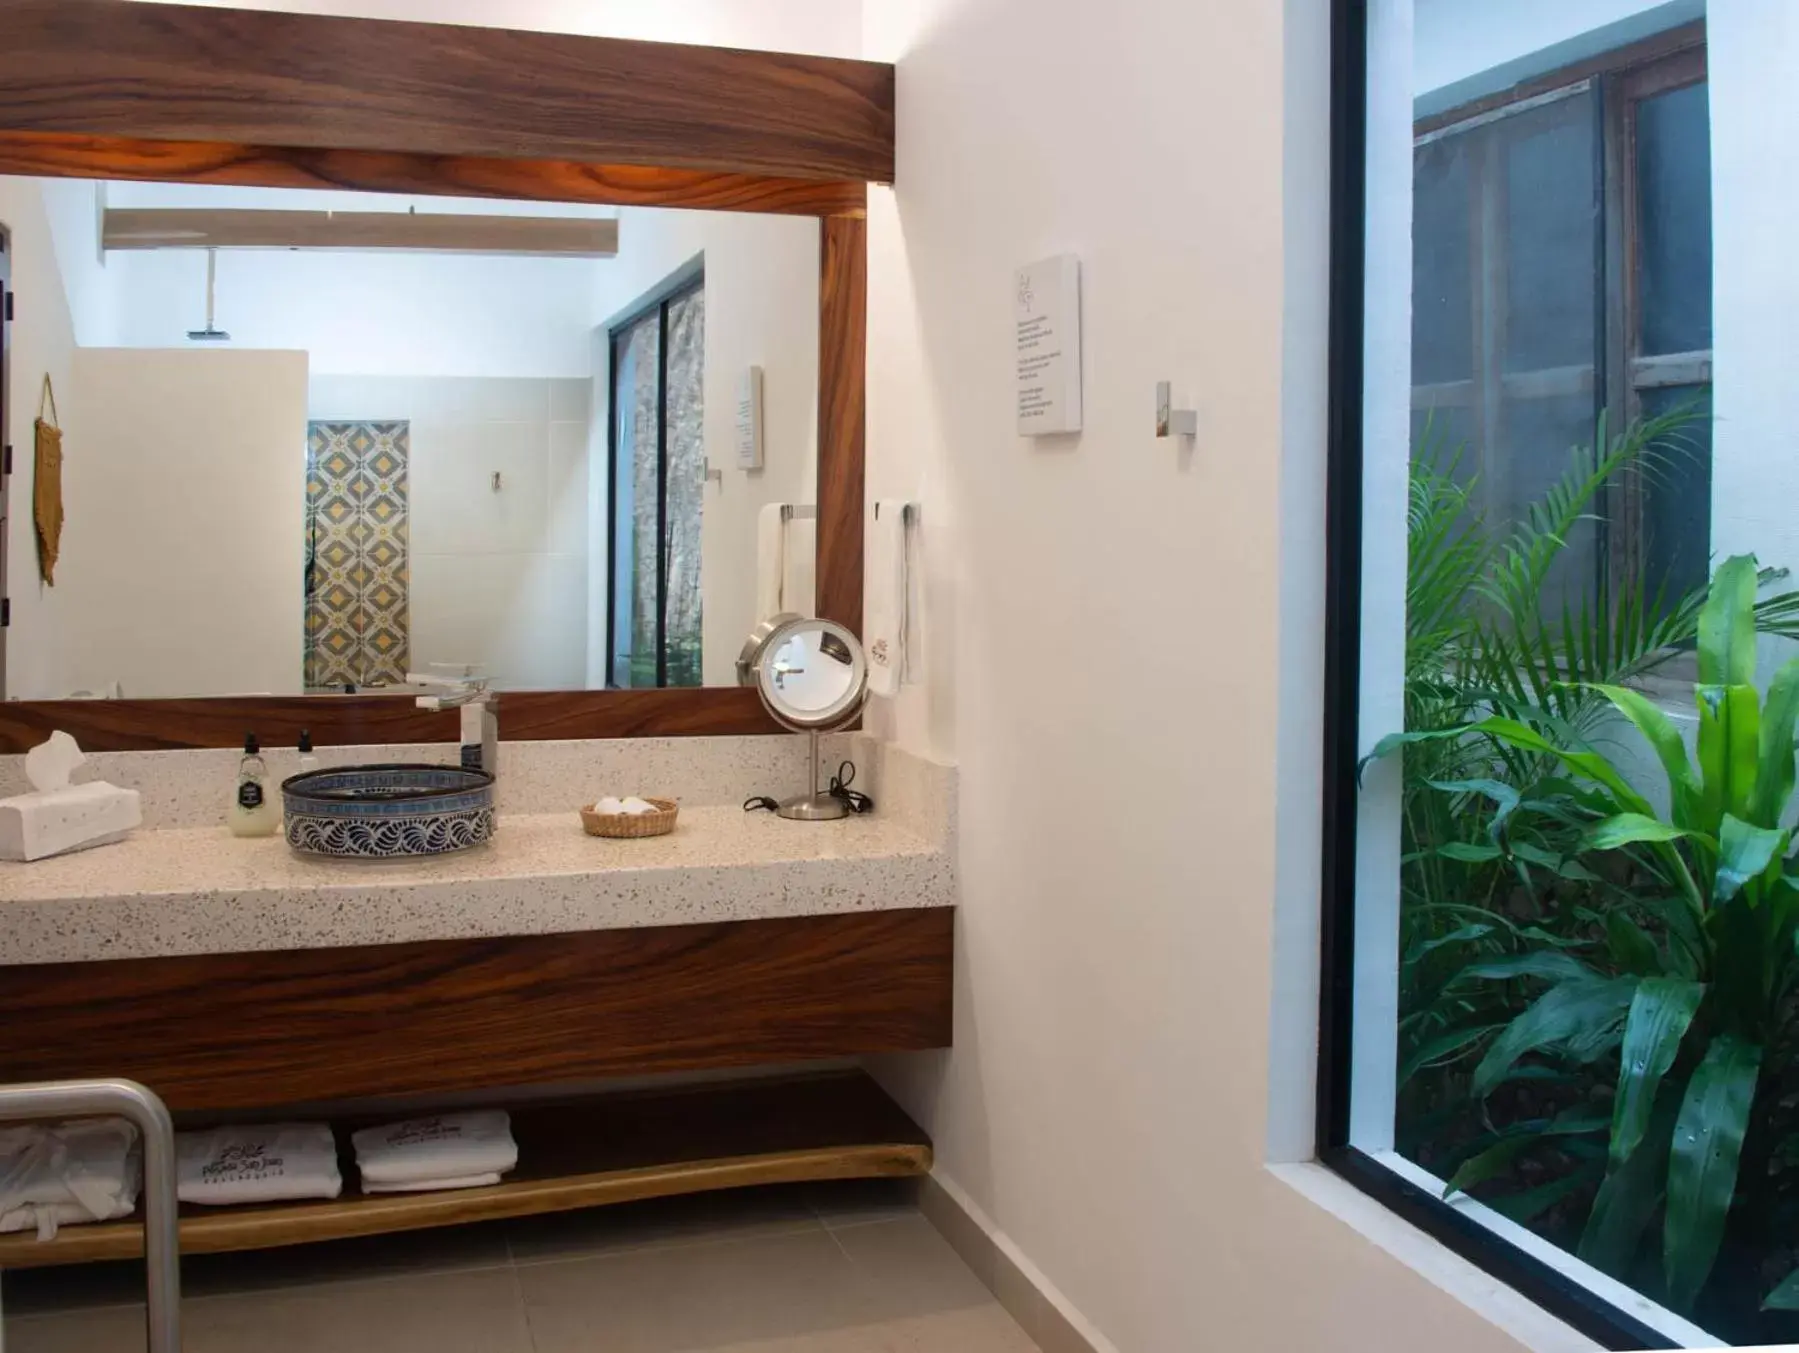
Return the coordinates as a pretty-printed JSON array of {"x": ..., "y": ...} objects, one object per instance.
[
  {"x": 444, "y": 1146},
  {"x": 260, "y": 1163},
  {"x": 67, "y": 1173},
  {"x": 888, "y": 627},
  {"x": 467, "y": 1181}
]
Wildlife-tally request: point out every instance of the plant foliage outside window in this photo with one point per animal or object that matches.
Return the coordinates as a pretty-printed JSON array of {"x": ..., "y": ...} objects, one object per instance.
[{"x": 1598, "y": 900}]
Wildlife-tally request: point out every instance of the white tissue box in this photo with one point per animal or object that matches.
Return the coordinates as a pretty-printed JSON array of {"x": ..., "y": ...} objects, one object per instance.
[{"x": 50, "y": 822}]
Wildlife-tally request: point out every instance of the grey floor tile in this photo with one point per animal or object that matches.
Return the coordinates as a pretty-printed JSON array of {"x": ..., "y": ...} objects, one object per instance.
[
  {"x": 854, "y": 1202},
  {"x": 783, "y": 1291},
  {"x": 477, "y": 1311},
  {"x": 663, "y": 1222},
  {"x": 102, "y": 1329}
]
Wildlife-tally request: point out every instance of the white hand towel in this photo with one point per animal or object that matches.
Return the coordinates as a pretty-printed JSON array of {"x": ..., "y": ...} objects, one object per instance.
[
  {"x": 444, "y": 1146},
  {"x": 888, "y": 622},
  {"x": 771, "y": 561},
  {"x": 72, "y": 1172},
  {"x": 467, "y": 1181},
  {"x": 260, "y": 1163}
]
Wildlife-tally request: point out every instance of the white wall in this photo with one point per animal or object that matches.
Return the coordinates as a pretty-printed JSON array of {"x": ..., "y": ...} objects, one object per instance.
[
  {"x": 1106, "y": 1104},
  {"x": 1469, "y": 48},
  {"x": 1754, "y": 54},
  {"x": 390, "y": 314},
  {"x": 761, "y": 310},
  {"x": 43, "y": 340},
  {"x": 498, "y": 579},
  {"x": 183, "y": 478}
]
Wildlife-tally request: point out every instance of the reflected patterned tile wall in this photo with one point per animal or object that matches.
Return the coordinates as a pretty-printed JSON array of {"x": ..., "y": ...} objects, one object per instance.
[{"x": 358, "y": 573}]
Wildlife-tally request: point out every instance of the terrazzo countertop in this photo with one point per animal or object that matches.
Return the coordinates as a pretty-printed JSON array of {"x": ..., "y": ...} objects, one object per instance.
[{"x": 203, "y": 891}]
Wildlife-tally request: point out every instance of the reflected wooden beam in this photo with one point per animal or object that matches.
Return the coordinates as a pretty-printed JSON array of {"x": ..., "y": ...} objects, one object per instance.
[
  {"x": 258, "y": 77},
  {"x": 214, "y": 228},
  {"x": 62, "y": 155}
]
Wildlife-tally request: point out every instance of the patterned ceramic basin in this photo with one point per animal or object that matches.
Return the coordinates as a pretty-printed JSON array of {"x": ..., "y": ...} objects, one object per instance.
[{"x": 388, "y": 812}]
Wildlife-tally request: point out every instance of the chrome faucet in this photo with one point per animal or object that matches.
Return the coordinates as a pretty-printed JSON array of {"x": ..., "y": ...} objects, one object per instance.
[{"x": 480, "y": 715}]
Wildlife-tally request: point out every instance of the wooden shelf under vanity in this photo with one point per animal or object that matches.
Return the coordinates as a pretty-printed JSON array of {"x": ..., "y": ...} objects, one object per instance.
[{"x": 609, "y": 1149}]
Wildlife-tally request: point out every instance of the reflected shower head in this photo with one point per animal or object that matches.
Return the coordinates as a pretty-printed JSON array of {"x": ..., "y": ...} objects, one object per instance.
[{"x": 208, "y": 335}]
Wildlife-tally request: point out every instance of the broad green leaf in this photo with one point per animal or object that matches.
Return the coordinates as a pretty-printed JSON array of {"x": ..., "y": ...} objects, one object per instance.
[
  {"x": 1629, "y": 1196},
  {"x": 1744, "y": 852},
  {"x": 1702, "y": 1163},
  {"x": 1443, "y": 1046},
  {"x": 1551, "y": 965},
  {"x": 1774, "y": 769},
  {"x": 1494, "y": 1161},
  {"x": 1660, "y": 1013},
  {"x": 1729, "y": 750},
  {"x": 1590, "y": 764},
  {"x": 1629, "y": 829},
  {"x": 1470, "y": 852},
  {"x": 1562, "y": 866},
  {"x": 1462, "y": 935},
  {"x": 1687, "y": 946},
  {"x": 1528, "y": 1204},
  {"x": 1630, "y": 946},
  {"x": 1785, "y": 1297},
  {"x": 1580, "y": 1019},
  {"x": 1664, "y": 738},
  {"x": 1505, "y": 799},
  {"x": 1394, "y": 741},
  {"x": 1727, "y": 625}
]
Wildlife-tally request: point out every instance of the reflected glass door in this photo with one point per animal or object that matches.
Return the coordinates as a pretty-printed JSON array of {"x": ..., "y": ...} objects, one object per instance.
[{"x": 658, "y": 474}]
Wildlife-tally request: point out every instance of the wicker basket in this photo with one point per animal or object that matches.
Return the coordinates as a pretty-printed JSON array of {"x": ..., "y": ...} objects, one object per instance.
[{"x": 623, "y": 825}]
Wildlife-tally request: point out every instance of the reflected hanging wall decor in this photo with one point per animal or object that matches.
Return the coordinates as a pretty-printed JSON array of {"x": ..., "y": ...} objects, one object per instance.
[{"x": 46, "y": 496}]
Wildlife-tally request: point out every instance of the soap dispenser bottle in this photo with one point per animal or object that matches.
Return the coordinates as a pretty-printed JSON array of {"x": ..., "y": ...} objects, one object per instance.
[
  {"x": 253, "y": 813},
  {"x": 308, "y": 762}
]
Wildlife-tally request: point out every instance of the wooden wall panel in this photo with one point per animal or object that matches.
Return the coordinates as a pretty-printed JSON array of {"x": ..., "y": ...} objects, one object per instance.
[
  {"x": 261, "y": 1030},
  {"x": 259, "y": 77},
  {"x": 364, "y": 720},
  {"x": 842, "y": 417}
]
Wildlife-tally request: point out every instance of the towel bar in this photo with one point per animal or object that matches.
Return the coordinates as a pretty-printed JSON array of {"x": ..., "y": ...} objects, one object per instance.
[{"x": 162, "y": 1238}]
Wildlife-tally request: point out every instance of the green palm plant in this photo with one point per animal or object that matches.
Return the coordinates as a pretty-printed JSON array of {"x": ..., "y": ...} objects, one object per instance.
[
  {"x": 1694, "y": 1005},
  {"x": 1480, "y": 637}
]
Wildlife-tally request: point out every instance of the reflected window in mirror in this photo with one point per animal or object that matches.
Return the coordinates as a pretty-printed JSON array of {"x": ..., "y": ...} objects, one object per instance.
[{"x": 658, "y": 458}]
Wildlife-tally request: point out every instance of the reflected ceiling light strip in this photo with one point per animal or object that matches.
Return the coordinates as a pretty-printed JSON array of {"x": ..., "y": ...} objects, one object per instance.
[{"x": 435, "y": 232}]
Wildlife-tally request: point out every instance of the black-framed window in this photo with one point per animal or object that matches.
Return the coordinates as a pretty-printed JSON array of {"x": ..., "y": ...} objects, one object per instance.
[
  {"x": 1524, "y": 504},
  {"x": 657, "y": 458}
]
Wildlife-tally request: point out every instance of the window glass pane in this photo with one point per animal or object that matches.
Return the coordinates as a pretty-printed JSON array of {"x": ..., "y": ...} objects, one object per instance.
[
  {"x": 1442, "y": 276},
  {"x": 686, "y": 483},
  {"x": 1506, "y": 279},
  {"x": 1677, "y": 497},
  {"x": 1674, "y": 175},
  {"x": 636, "y": 419},
  {"x": 1524, "y": 877},
  {"x": 1549, "y": 251}
]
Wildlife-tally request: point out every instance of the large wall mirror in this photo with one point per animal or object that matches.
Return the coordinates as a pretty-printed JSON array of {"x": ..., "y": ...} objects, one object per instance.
[
  {"x": 316, "y": 441},
  {"x": 546, "y": 369}
]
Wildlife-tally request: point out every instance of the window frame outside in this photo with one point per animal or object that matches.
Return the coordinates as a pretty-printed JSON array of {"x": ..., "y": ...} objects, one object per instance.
[
  {"x": 1619, "y": 80},
  {"x": 1533, "y": 1276}
]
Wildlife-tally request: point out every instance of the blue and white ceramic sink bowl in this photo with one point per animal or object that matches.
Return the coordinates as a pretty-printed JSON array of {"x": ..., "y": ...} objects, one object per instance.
[{"x": 388, "y": 812}]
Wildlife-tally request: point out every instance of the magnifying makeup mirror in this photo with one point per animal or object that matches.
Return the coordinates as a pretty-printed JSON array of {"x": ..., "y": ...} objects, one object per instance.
[{"x": 813, "y": 677}]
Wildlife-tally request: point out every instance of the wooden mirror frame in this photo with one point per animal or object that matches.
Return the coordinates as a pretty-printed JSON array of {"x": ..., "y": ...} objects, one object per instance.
[{"x": 110, "y": 89}]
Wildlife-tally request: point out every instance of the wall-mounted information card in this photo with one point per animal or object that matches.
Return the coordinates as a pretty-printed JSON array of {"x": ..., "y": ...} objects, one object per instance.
[{"x": 1046, "y": 308}]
